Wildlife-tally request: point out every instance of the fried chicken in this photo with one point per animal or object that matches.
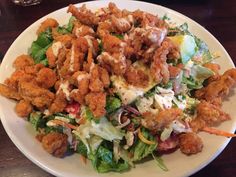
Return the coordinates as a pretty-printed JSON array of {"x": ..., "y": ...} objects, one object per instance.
[{"x": 55, "y": 143}]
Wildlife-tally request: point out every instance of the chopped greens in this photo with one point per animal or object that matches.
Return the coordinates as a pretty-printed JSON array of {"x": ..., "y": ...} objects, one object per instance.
[
  {"x": 66, "y": 29},
  {"x": 112, "y": 104},
  {"x": 142, "y": 150},
  {"x": 37, "y": 120},
  {"x": 39, "y": 47}
]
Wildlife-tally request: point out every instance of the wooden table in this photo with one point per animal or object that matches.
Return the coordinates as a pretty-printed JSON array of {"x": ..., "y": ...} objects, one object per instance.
[{"x": 219, "y": 17}]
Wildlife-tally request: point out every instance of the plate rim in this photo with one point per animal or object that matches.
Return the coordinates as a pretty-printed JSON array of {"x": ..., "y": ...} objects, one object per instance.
[{"x": 31, "y": 157}]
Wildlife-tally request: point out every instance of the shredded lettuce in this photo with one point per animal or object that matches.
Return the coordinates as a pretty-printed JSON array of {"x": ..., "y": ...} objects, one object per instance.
[
  {"x": 200, "y": 73},
  {"x": 103, "y": 159},
  {"x": 81, "y": 149},
  {"x": 141, "y": 149},
  {"x": 203, "y": 51},
  {"x": 160, "y": 162},
  {"x": 103, "y": 129}
]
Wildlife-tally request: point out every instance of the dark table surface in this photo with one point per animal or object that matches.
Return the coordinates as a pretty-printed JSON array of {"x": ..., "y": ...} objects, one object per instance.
[{"x": 217, "y": 16}]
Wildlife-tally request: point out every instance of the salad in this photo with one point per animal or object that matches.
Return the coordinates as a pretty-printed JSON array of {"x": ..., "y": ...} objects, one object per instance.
[{"x": 118, "y": 87}]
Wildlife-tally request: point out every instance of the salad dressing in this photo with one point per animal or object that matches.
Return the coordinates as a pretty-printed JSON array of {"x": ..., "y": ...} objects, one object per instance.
[{"x": 56, "y": 46}]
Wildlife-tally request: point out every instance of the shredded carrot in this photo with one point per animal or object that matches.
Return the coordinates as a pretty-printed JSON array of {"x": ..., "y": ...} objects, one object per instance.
[
  {"x": 82, "y": 120},
  {"x": 84, "y": 159},
  {"x": 218, "y": 132},
  {"x": 143, "y": 139},
  {"x": 64, "y": 124}
]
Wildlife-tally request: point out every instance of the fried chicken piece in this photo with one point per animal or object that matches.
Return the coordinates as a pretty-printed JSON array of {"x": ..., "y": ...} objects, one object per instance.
[
  {"x": 96, "y": 102},
  {"x": 75, "y": 58},
  {"x": 22, "y": 61},
  {"x": 62, "y": 96},
  {"x": 96, "y": 85},
  {"x": 89, "y": 63},
  {"x": 212, "y": 115},
  {"x": 190, "y": 143},
  {"x": 99, "y": 79},
  {"x": 23, "y": 108},
  {"x": 59, "y": 103},
  {"x": 81, "y": 80},
  {"x": 39, "y": 97},
  {"x": 46, "y": 78},
  {"x": 121, "y": 25},
  {"x": 61, "y": 58},
  {"x": 112, "y": 44},
  {"x": 162, "y": 119},
  {"x": 146, "y": 19},
  {"x": 83, "y": 30},
  {"x": 84, "y": 15},
  {"x": 33, "y": 70},
  {"x": 72, "y": 64},
  {"x": 55, "y": 143},
  {"x": 136, "y": 77},
  {"x": 40, "y": 136},
  {"x": 174, "y": 71},
  {"x": 104, "y": 28},
  {"x": 65, "y": 39},
  {"x": 48, "y": 23},
  {"x": 76, "y": 95},
  {"x": 114, "y": 9},
  {"x": 219, "y": 87},
  {"x": 82, "y": 44},
  {"x": 104, "y": 77},
  {"x": 91, "y": 43},
  {"x": 51, "y": 58},
  {"x": 54, "y": 53},
  {"x": 28, "y": 73},
  {"x": 13, "y": 80},
  {"x": 197, "y": 124},
  {"x": 115, "y": 63},
  {"x": 9, "y": 92},
  {"x": 159, "y": 67},
  {"x": 154, "y": 36}
]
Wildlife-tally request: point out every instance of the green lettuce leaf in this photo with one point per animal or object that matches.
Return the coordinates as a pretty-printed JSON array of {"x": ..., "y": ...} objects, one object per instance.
[
  {"x": 67, "y": 28},
  {"x": 39, "y": 47},
  {"x": 141, "y": 149},
  {"x": 37, "y": 120},
  {"x": 103, "y": 159}
]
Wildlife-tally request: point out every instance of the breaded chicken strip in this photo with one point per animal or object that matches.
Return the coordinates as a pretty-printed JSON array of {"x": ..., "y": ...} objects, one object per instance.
[
  {"x": 55, "y": 143},
  {"x": 218, "y": 88},
  {"x": 190, "y": 143},
  {"x": 39, "y": 97},
  {"x": 96, "y": 102},
  {"x": 22, "y": 61},
  {"x": 46, "y": 78},
  {"x": 48, "y": 23},
  {"x": 84, "y": 15},
  {"x": 23, "y": 108},
  {"x": 162, "y": 119},
  {"x": 9, "y": 92}
]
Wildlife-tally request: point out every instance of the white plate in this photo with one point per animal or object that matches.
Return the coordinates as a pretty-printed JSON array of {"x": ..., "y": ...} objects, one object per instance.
[{"x": 23, "y": 136}]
